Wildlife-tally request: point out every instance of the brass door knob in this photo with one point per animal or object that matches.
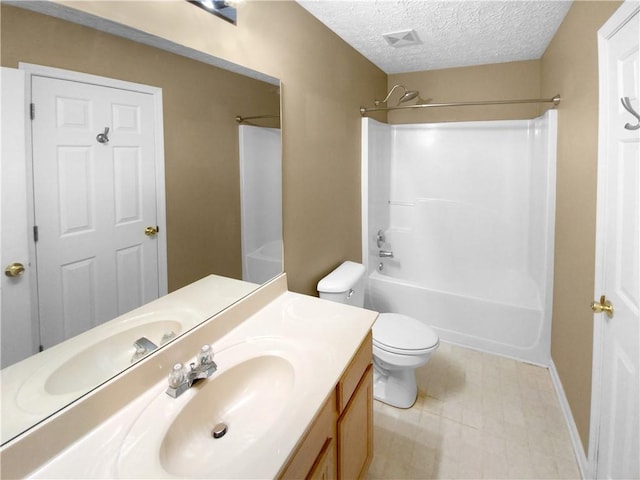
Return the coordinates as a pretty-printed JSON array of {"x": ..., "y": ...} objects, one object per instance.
[
  {"x": 603, "y": 306},
  {"x": 150, "y": 231},
  {"x": 14, "y": 269}
]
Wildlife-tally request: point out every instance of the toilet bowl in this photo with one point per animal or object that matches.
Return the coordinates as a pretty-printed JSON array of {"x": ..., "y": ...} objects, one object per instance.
[{"x": 400, "y": 343}]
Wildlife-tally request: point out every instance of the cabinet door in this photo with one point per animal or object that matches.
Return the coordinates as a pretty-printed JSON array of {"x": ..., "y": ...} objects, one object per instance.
[
  {"x": 325, "y": 466},
  {"x": 354, "y": 373},
  {"x": 355, "y": 431},
  {"x": 316, "y": 443}
]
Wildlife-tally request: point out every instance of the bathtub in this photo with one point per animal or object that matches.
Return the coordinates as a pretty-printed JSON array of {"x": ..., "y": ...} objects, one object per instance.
[
  {"x": 470, "y": 299},
  {"x": 494, "y": 325},
  {"x": 263, "y": 263},
  {"x": 468, "y": 211}
]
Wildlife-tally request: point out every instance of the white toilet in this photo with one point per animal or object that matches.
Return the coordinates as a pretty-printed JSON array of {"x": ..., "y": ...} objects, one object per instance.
[{"x": 400, "y": 343}]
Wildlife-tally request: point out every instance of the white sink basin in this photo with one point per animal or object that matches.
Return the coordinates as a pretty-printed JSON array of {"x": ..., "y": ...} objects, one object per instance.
[
  {"x": 249, "y": 398},
  {"x": 253, "y": 392}
]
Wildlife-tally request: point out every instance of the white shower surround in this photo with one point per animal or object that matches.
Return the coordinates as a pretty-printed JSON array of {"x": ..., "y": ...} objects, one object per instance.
[
  {"x": 260, "y": 202},
  {"x": 468, "y": 209}
]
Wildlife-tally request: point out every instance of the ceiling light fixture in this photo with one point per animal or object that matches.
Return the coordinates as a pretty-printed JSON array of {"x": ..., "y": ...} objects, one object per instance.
[{"x": 225, "y": 9}]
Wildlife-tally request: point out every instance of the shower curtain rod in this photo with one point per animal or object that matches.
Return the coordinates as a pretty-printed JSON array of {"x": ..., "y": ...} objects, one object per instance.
[
  {"x": 555, "y": 100},
  {"x": 240, "y": 119}
]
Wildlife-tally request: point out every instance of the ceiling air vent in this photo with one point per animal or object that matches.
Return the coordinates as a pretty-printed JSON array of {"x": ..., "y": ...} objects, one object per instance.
[{"x": 402, "y": 39}]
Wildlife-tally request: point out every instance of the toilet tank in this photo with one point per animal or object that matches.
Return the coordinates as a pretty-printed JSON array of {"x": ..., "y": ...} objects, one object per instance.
[{"x": 344, "y": 285}]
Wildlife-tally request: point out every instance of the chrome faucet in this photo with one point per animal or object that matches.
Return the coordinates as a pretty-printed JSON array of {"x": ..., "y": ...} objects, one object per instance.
[
  {"x": 182, "y": 377},
  {"x": 385, "y": 254},
  {"x": 143, "y": 346},
  {"x": 144, "y": 342}
]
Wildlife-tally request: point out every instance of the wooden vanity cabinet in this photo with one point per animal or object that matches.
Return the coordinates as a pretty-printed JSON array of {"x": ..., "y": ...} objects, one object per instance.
[{"x": 339, "y": 443}]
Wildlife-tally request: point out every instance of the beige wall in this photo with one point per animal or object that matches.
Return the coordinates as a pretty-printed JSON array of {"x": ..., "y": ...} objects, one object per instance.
[
  {"x": 324, "y": 84},
  {"x": 503, "y": 81},
  {"x": 570, "y": 66},
  {"x": 200, "y": 133}
]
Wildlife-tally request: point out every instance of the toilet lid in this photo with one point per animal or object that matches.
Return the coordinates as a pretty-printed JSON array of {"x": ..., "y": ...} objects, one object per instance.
[{"x": 397, "y": 333}]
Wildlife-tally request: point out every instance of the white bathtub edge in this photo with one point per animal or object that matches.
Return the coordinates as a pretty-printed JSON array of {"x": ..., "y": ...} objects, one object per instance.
[{"x": 578, "y": 450}]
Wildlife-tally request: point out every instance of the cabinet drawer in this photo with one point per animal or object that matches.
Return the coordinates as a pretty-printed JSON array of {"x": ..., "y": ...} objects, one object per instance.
[
  {"x": 347, "y": 385},
  {"x": 314, "y": 444}
]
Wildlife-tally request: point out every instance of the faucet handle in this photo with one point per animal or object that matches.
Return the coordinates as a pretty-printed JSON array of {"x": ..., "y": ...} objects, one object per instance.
[
  {"x": 178, "y": 375},
  {"x": 170, "y": 335},
  {"x": 205, "y": 355}
]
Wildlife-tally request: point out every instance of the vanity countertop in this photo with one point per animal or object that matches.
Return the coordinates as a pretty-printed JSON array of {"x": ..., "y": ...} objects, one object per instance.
[{"x": 316, "y": 337}]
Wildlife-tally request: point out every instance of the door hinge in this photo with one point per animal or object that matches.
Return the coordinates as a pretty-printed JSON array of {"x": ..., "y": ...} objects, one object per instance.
[
  {"x": 32, "y": 111},
  {"x": 35, "y": 233}
]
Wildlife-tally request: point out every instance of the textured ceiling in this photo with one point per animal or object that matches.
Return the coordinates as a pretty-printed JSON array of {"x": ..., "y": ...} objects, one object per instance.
[{"x": 452, "y": 33}]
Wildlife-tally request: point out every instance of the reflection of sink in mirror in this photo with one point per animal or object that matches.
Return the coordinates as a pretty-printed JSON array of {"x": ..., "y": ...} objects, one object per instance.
[
  {"x": 70, "y": 369},
  {"x": 249, "y": 398},
  {"x": 106, "y": 358}
]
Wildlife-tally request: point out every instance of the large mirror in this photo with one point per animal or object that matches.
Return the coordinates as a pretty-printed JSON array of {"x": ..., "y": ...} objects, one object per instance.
[{"x": 222, "y": 170}]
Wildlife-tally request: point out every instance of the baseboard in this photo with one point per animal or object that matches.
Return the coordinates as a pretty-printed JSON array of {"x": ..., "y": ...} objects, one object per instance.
[{"x": 578, "y": 450}]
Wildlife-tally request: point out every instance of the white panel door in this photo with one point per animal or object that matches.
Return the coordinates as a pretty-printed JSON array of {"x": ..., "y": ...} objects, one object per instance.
[
  {"x": 19, "y": 337},
  {"x": 93, "y": 200},
  {"x": 617, "y": 268}
]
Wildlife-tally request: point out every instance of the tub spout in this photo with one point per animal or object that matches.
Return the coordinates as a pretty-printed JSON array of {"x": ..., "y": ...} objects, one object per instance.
[{"x": 385, "y": 254}]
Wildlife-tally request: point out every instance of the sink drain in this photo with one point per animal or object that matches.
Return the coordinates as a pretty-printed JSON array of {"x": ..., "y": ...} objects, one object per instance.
[{"x": 219, "y": 430}]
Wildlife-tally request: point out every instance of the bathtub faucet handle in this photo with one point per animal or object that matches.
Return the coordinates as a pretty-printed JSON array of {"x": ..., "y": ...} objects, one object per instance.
[
  {"x": 380, "y": 238},
  {"x": 385, "y": 254}
]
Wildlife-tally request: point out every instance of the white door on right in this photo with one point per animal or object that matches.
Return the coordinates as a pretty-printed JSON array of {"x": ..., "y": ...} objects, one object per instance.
[{"x": 617, "y": 374}]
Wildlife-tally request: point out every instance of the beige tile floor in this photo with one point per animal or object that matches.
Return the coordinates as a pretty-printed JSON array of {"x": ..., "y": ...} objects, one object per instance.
[{"x": 476, "y": 416}]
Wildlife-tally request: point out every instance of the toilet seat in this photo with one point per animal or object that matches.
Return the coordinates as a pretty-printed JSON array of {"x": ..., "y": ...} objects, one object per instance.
[{"x": 404, "y": 335}]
